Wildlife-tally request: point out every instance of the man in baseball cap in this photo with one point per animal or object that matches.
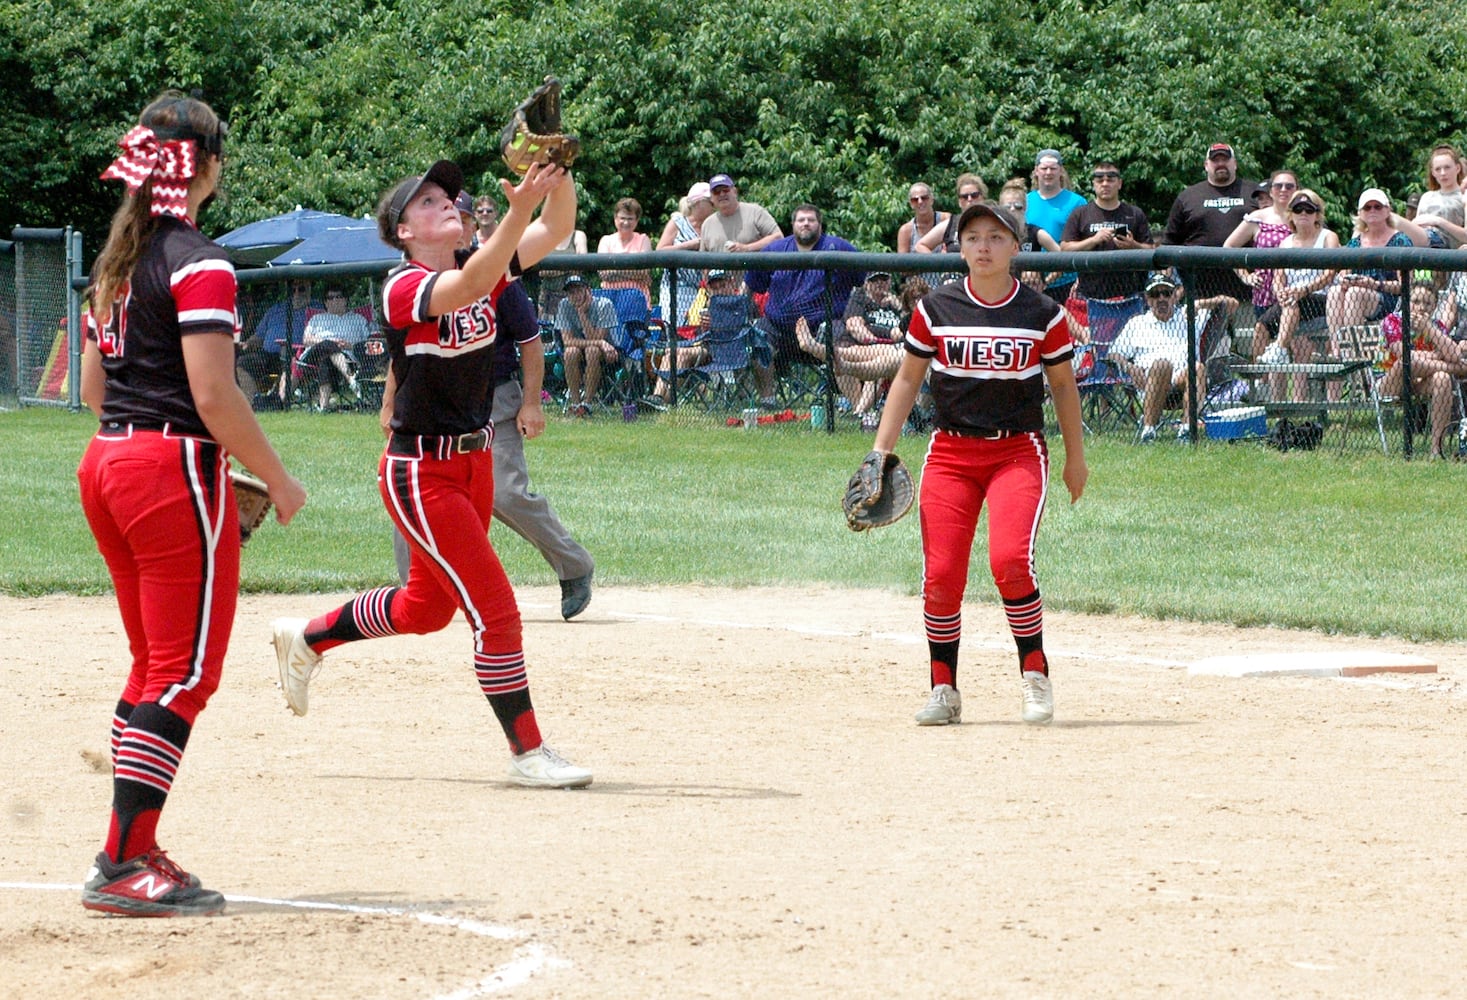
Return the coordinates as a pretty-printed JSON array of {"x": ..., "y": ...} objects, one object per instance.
[
  {"x": 1160, "y": 281},
  {"x": 1049, "y": 205},
  {"x": 464, "y": 202},
  {"x": 444, "y": 173},
  {"x": 1205, "y": 215}
]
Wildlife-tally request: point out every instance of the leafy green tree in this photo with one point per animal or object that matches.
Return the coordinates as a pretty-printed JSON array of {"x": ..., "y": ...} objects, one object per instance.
[{"x": 839, "y": 104}]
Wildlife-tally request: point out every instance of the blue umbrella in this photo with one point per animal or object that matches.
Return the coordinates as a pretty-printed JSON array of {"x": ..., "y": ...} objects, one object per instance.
[
  {"x": 258, "y": 241},
  {"x": 353, "y": 244}
]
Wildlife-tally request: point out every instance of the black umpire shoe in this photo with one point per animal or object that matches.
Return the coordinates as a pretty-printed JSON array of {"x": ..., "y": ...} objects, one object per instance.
[{"x": 574, "y": 596}]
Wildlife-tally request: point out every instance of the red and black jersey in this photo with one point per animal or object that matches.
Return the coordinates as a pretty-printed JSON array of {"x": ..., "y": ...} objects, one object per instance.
[
  {"x": 183, "y": 284},
  {"x": 443, "y": 365},
  {"x": 987, "y": 357}
]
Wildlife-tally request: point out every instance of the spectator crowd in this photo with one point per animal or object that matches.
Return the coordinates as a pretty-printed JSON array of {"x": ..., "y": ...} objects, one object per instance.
[{"x": 856, "y": 322}]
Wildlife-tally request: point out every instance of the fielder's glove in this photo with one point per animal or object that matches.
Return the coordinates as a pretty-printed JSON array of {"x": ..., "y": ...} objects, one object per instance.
[
  {"x": 252, "y": 498},
  {"x": 879, "y": 493},
  {"x": 533, "y": 134}
]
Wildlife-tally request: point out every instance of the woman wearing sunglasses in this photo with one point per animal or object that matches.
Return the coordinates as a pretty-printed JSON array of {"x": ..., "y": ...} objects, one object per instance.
[
  {"x": 1367, "y": 294},
  {"x": 1263, "y": 228},
  {"x": 1299, "y": 292}
]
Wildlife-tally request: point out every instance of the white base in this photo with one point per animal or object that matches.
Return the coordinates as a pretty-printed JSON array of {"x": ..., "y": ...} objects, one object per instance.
[{"x": 1351, "y": 663}]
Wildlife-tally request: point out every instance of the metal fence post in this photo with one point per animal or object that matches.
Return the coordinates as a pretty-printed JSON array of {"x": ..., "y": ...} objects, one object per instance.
[
  {"x": 669, "y": 327},
  {"x": 1189, "y": 294},
  {"x": 1406, "y": 335},
  {"x": 75, "y": 340},
  {"x": 829, "y": 357}
]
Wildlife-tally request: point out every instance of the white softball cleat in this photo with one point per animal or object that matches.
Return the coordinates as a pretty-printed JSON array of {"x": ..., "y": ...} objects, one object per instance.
[
  {"x": 1038, "y": 698},
  {"x": 298, "y": 661},
  {"x": 944, "y": 707},
  {"x": 542, "y": 767}
]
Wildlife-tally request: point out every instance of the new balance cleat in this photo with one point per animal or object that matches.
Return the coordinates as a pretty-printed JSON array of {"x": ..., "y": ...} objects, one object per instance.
[
  {"x": 149, "y": 885},
  {"x": 298, "y": 661},
  {"x": 944, "y": 707},
  {"x": 1038, "y": 698},
  {"x": 542, "y": 767}
]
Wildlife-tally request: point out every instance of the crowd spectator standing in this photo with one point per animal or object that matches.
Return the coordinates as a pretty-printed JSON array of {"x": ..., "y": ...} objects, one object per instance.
[
  {"x": 627, "y": 239},
  {"x": 271, "y": 347},
  {"x": 1050, "y": 205},
  {"x": 1440, "y": 210},
  {"x": 486, "y": 218},
  {"x": 585, "y": 323},
  {"x": 925, "y": 218},
  {"x": 684, "y": 231},
  {"x": 944, "y": 239},
  {"x": 1102, "y": 224},
  {"x": 797, "y": 298},
  {"x": 1152, "y": 348},
  {"x": 1265, "y": 227},
  {"x": 1206, "y": 214},
  {"x": 1014, "y": 197},
  {"x": 736, "y": 226}
]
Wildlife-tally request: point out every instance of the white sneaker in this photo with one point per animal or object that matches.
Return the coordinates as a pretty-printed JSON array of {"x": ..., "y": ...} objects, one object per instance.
[
  {"x": 298, "y": 661},
  {"x": 1038, "y": 698},
  {"x": 1148, "y": 434},
  {"x": 1274, "y": 354},
  {"x": 944, "y": 706},
  {"x": 542, "y": 767}
]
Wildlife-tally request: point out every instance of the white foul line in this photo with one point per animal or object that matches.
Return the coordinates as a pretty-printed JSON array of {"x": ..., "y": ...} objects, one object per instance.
[{"x": 526, "y": 960}]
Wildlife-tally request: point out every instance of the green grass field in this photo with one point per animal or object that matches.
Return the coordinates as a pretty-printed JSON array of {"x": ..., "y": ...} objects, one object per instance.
[{"x": 1239, "y": 534}]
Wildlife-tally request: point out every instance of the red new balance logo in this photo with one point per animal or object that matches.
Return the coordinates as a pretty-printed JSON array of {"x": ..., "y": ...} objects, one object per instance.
[{"x": 151, "y": 885}]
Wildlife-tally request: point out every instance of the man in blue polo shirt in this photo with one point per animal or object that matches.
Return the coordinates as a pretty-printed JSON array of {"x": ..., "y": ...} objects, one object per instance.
[
  {"x": 797, "y": 295},
  {"x": 1048, "y": 206}
]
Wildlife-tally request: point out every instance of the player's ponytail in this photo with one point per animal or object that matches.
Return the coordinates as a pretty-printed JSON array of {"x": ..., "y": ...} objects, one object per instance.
[{"x": 172, "y": 117}]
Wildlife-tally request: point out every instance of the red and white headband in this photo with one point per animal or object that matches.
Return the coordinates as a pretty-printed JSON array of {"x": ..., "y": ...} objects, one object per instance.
[{"x": 170, "y": 163}]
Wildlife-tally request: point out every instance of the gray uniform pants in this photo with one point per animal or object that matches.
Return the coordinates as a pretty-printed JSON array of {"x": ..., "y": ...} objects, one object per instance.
[{"x": 527, "y": 514}]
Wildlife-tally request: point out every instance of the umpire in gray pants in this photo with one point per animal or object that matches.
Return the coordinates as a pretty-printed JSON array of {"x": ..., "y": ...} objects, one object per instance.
[{"x": 515, "y": 418}]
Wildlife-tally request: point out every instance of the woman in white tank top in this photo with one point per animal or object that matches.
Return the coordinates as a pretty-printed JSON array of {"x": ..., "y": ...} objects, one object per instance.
[{"x": 1299, "y": 293}]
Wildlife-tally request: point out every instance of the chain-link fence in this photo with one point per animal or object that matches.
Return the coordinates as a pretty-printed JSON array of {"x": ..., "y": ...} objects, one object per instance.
[
  {"x": 39, "y": 319},
  {"x": 814, "y": 346}
]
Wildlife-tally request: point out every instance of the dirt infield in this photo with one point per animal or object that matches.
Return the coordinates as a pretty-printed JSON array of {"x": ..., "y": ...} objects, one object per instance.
[{"x": 765, "y": 821}]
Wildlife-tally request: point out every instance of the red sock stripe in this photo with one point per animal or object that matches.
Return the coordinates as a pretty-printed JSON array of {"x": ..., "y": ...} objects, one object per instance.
[
  {"x": 372, "y": 612},
  {"x": 147, "y": 759},
  {"x": 501, "y": 673},
  {"x": 1026, "y": 619},
  {"x": 944, "y": 628}
]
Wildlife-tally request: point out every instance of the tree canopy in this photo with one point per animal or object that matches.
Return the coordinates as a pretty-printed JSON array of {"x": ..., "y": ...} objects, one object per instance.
[{"x": 839, "y": 104}]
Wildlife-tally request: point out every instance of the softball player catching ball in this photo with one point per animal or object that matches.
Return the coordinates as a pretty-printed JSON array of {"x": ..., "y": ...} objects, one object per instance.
[
  {"x": 436, "y": 476},
  {"x": 989, "y": 343},
  {"x": 158, "y": 370}
]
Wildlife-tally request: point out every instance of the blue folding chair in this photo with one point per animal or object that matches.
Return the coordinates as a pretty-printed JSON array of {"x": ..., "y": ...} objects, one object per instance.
[
  {"x": 1109, "y": 400},
  {"x": 723, "y": 381},
  {"x": 637, "y": 325}
]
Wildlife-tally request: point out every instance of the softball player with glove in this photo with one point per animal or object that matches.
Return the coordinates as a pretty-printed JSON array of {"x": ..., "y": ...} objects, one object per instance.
[
  {"x": 436, "y": 476},
  {"x": 158, "y": 370},
  {"x": 986, "y": 344}
]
